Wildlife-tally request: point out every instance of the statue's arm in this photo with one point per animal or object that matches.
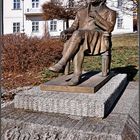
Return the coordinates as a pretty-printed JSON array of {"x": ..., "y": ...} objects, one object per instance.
[
  {"x": 107, "y": 25},
  {"x": 68, "y": 32},
  {"x": 74, "y": 26}
]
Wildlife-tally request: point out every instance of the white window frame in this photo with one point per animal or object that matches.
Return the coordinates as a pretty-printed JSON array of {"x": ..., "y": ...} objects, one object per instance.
[
  {"x": 35, "y": 3},
  {"x": 35, "y": 26},
  {"x": 119, "y": 22},
  {"x": 120, "y": 3},
  {"x": 53, "y": 26},
  {"x": 16, "y": 27},
  {"x": 16, "y": 4}
]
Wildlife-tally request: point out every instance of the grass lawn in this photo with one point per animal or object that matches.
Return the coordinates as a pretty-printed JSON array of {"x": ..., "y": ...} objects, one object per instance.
[{"x": 125, "y": 59}]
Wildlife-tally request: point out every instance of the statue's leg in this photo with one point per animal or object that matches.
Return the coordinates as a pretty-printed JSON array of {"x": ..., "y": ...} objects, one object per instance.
[
  {"x": 70, "y": 52},
  {"x": 67, "y": 67},
  {"x": 77, "y": 62},
  {"x": 106, "y": 61}
]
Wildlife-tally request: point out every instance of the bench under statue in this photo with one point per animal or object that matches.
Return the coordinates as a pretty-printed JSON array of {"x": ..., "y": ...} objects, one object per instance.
[{"x": 89, "y": 34}]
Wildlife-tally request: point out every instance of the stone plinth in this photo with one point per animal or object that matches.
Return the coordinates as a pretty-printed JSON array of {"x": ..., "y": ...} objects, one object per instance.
[
  {"x": 90, "y": 82},
  {"x": 121, "y": 124},
  {"x": 80, "y": 104}
]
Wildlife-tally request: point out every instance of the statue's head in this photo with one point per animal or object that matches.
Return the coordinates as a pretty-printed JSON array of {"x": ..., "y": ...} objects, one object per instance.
[{"x": 96, "y": 1}]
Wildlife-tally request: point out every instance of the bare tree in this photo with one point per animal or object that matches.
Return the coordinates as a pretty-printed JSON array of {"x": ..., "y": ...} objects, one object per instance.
[
  {"x": 125, "y": 6},
  {"x": 56, "y": 10}
]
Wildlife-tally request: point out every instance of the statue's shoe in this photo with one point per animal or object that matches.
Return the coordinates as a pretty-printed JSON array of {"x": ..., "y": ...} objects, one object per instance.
[
  {"x": 58, "y": 68},
  {"x": 74, "y": 80}
]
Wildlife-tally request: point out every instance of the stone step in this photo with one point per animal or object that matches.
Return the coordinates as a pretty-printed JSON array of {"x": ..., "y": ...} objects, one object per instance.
[{"x": 80, "y": 104}]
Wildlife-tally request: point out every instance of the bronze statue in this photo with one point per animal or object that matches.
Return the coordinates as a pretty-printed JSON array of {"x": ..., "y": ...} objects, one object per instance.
[{"x": 90, "y": 31}]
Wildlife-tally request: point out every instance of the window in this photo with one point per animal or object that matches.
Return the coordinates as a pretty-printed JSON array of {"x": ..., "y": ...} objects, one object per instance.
[
  {"x": 35, "y": 3},
  {"x": 16, "y": 4},
  {"x": 16, "y": 27},
  {"x": 53, "y": 25},
  {"x": 120, "y": 3},
  {"x": 35, "y": 26},
  {"x": 119, "y": 22}
]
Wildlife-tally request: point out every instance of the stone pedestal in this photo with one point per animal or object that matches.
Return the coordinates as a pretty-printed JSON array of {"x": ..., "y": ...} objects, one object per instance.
[{"x": 80, "y": 104}]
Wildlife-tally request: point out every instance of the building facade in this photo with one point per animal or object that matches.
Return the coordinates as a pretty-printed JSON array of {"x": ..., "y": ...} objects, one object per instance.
[
  {"x": 25, "y": 16},
  {"x": 124, "y": 21}
]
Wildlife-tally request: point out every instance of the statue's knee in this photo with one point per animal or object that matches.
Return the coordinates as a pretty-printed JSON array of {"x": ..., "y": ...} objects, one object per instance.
[
  {"x": 77, "y": 35},
  {"x": 107, "y": 53}
]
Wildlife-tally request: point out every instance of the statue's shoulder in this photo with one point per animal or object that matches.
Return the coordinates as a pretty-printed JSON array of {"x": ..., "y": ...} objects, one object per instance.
[{"x": 110, "y": 10}]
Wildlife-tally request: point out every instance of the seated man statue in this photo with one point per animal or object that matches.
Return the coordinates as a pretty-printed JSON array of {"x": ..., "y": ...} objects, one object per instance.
[{"x": 92, "y": 26}]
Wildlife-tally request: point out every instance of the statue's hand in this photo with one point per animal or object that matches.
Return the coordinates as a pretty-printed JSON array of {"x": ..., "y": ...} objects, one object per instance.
[
  {"x": 93, "y": 13},
  {"x": 63, "y": 36}
]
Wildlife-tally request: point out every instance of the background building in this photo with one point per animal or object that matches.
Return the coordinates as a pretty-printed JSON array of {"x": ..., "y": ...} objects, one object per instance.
[
  {"x": 124, "y": 21},
  {"x": 25, "y": 16}
]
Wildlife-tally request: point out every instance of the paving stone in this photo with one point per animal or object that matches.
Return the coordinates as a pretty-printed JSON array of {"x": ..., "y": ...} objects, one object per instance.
[{"x": 121, "y": 124}]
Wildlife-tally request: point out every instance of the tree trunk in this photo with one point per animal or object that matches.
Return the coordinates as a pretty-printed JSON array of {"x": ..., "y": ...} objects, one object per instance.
[
  {"x": 46, "y": 31},
  {"x": 67, "y": 23}
]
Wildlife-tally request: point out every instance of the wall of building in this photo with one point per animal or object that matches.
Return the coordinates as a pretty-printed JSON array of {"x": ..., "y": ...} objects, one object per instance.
[
  {"x": 60, "y": 28},
  {"x": 127, "y": 17},
  {"x": 127, "y": 26},
  {"x": 34, "y": 14},
  {"x": 10, "y": 15},
  {"x": 28, "y": 26}
]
